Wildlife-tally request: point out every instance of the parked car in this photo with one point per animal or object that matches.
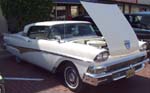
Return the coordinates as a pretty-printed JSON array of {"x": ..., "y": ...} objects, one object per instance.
[
  {"x": 140, "y": 21},
  {"x": 74, "y": 48}
]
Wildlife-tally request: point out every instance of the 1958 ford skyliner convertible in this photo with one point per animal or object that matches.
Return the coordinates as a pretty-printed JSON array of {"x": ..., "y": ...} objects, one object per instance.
[{"x": 74, "y": 48}]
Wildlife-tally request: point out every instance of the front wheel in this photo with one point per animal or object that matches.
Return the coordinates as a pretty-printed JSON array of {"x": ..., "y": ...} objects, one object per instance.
[{"x": 72, "y": 78}]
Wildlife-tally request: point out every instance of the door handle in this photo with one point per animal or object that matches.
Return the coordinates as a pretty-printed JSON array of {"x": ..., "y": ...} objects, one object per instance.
[{"x": 29, "y": 41}]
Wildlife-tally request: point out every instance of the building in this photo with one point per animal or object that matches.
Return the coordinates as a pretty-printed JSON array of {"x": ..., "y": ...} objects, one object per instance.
[
  {"x": 130, "y": 6},
  {"x": 144, "y": 2},
  {"x": 65, "y": 9}
]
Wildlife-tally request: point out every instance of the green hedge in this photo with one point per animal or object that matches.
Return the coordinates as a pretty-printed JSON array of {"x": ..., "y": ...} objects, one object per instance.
[{"x": 21, "y": 12}]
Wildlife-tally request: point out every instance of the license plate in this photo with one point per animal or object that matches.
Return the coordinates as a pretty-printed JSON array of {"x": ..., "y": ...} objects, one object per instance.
[{"x": 130, "y": 73}]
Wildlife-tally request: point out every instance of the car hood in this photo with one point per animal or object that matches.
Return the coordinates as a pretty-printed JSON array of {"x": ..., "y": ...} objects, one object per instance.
[{"x": 118, "y": 33}]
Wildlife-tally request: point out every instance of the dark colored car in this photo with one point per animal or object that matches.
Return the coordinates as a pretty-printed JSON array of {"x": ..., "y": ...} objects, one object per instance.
[
  {"x": 141, "y": 24},
  {"x": 139, "y": 21}
]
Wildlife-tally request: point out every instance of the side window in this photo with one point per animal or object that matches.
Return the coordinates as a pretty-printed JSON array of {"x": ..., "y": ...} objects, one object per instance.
[
  {"x": 57, "y": 30},
  {"x": 63, "y": 31},
  {"x": 38, "y": 32},
  {"x": 71, "y": 30}
]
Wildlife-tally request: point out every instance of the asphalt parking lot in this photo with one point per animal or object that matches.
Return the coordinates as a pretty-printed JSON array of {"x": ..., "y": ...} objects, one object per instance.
[{"x": 140, "y": 83}]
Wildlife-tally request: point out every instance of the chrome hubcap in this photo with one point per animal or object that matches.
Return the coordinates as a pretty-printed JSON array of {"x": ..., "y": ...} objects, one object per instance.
[{"x": 71, "y": 77}]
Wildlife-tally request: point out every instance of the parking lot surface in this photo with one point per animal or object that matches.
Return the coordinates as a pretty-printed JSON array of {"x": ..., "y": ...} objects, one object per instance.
[{"x": 140, "y": 83}]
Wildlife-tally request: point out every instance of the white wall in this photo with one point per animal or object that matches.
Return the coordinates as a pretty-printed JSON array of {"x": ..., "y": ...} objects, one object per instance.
[
  {"x": 144, "y": 1},
  {"x": 3, "y": 25}
]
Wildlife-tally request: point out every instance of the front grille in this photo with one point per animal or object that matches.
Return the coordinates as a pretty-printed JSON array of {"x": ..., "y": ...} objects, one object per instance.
[
  {"x": 138, "y": 67},
  {"x": 125, "y": 64}
]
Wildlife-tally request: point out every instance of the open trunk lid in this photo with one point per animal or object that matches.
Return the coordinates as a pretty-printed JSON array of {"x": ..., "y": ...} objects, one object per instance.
[{"x": 118, "y": 33}]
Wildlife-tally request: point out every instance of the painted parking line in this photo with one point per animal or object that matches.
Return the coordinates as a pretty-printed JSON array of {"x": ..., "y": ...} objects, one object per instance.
[
  {"x": 5, "y": 56},
  {"x": 23, "y": 79},
  {"x": 1, "y": 49}
]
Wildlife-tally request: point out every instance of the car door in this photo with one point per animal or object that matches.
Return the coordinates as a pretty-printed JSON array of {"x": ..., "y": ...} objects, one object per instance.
[{"x": 35, "y": 52}]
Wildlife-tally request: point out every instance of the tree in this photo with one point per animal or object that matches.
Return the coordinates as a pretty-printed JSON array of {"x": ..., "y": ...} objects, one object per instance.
[{"x": 21, "y": 12}]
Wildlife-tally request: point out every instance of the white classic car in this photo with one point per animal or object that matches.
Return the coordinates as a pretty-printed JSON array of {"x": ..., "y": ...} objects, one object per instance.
[{"x": 76, "y": 50}]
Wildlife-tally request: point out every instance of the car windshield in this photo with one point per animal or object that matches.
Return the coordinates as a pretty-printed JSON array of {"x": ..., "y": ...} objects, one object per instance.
[{"x": 65, "y": 31}]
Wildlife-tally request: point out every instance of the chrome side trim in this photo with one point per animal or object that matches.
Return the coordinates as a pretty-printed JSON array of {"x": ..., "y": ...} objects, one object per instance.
[
  {"x": 27, "y": 49},
  {"x": 115, "y": 79}
]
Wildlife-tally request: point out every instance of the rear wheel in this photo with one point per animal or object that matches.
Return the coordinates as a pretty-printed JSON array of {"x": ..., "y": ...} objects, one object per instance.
[{"x": 72, "y": 78}]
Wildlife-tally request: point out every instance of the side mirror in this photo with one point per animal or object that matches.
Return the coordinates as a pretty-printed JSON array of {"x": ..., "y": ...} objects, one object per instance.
[{"x": 57, "y": 37}]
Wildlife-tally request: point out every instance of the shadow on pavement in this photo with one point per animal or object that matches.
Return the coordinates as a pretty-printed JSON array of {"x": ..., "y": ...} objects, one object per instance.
[
  {"x": 136, "y": 84},
  {"x": 10, "y": 68}
]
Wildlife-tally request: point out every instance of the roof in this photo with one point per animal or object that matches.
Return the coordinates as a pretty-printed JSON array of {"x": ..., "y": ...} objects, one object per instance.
[
  {"x": 51, "y": 23},
  {"x": 141, "y": 13},
  {"x": 67, "y": 1},
  {"x": 71, "y": 1}
]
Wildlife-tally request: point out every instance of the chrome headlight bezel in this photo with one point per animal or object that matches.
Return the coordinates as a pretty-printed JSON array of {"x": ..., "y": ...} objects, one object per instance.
[
  {"x": 96, "y": 70},
  {"x": 102, "y": 56},
  {"x": 144, "y": 47}
]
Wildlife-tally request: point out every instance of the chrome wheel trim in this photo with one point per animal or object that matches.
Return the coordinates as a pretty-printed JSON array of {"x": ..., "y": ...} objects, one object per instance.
[{"x": 71, "y": 77}]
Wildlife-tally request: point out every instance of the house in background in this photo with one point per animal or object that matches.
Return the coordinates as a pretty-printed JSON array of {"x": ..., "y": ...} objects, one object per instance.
[{"x": 66, "y": 9}]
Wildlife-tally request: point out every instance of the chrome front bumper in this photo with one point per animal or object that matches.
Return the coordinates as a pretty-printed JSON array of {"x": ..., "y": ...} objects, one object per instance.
[{"x": 96, "y": 79}]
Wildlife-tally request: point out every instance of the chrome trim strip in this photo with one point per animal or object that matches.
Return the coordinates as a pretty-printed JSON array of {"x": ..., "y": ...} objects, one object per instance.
[
  {"x": 48, "y": 52},
  {"x": 115, "y": 79}
]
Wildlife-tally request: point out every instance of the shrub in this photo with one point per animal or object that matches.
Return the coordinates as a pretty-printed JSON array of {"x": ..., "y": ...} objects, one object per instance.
[{"x": 21, "y": 12}]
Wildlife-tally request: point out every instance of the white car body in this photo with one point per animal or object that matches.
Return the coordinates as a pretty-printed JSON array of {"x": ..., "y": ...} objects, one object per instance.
[{"x": 122, "y": 44}]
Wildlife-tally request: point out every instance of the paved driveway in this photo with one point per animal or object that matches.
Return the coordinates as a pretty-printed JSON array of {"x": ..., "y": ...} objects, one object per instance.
[{"x": 52, "y": 84}]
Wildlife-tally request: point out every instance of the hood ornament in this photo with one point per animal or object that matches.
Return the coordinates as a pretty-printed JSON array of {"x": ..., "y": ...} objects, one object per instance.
[{"x": 127, "y": 44}]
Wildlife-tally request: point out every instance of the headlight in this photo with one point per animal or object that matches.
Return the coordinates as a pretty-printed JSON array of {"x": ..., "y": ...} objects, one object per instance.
[
  {"x": 101, "y": 57},
  {"x": 96, "y": 70},
  {"x": 143, "y": 47}
]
